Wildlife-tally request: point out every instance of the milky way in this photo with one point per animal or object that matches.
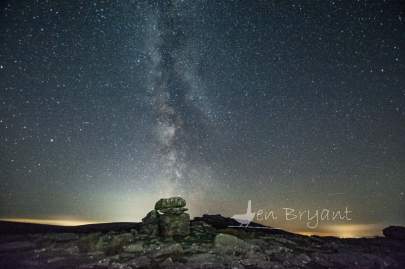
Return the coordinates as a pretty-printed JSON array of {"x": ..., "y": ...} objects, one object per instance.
[
  {"x": 107, "y": 106},
  {"x": 177, "y": 100}
]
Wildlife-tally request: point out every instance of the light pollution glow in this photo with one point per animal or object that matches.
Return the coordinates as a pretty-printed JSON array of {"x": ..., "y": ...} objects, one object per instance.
[
  {"x": 346, "y": 230},
  {"x": 342, "y": 231},
  {"x": 58, "y": 222}
]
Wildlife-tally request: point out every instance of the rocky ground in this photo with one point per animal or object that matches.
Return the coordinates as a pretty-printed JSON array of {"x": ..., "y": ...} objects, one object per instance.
[
  {"x": 210, "y": 244},
  {"x": 167, "y": 238}
]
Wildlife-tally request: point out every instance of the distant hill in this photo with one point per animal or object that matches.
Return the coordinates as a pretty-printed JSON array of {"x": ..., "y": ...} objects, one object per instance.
[
  {"x": 217, "y": 221},
  {"x": 9, "y": 227}
]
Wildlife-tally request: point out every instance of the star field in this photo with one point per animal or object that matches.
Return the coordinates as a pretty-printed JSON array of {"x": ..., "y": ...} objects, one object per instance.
[{"x": 106, "y": 106}]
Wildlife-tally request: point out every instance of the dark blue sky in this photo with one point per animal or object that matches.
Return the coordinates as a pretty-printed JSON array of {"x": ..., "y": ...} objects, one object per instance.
[{"x": 108, "y": 105}]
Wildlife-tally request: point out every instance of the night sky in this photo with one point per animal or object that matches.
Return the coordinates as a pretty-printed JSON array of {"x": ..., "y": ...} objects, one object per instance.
[{"x": 107, "y": 106}]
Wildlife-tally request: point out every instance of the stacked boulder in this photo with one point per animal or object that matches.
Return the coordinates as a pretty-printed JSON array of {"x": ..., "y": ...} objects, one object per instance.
[
  {"x": 173, "y": 221},
  {"x": 150, "y": 224},
  {"x": 168, "y": 219}
]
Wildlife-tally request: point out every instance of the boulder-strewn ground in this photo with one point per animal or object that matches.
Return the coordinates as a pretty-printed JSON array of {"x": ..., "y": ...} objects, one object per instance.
[{"x": 210, "y": 244}]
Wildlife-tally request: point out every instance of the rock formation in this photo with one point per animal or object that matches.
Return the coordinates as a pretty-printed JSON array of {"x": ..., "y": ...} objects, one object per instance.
[
  {"x": 168, "y": 219},
  {"x": 150, "y": 223},
  {"x": 167, "y": 239}
]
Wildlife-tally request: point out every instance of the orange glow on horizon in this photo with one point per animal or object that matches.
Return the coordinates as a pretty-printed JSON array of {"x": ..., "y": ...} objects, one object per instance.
[
  {"x": 346, "y": 231},
  {"x": 342, "y": 231},
  {"x": 58, "y": 222}
]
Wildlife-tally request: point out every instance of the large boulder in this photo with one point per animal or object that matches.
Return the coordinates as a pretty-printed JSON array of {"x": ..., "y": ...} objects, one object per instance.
[
  {"x": 230, "y": 244},
  {"x": 150, "y": 223},
  {"x": 173, "y": 211},
  {"x": 167, "y": 219},
  {"x": 174, "y": 225},
  {"x": 395, "y": 232},
  {"x": 202, "y": 231},
  {"x": 173, "y": 202}
]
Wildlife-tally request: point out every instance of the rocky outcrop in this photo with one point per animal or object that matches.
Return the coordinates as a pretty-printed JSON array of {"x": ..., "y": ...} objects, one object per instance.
[
  {"x": 172, "y": 203},
  {"x": 174, "y": 224},
  {"x": 395, "y": 232},
  {"x": 207, "y": 242},
  {"x": 150, "y": 223},
  {"x": 227, "y": 243},
  {"x": 168, "y": 219}
]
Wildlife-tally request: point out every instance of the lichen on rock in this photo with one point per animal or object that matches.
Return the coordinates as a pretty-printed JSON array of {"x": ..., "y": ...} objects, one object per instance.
[
  {"x": 173, "y": 202},
  {"x": 168, "y": 219}
]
